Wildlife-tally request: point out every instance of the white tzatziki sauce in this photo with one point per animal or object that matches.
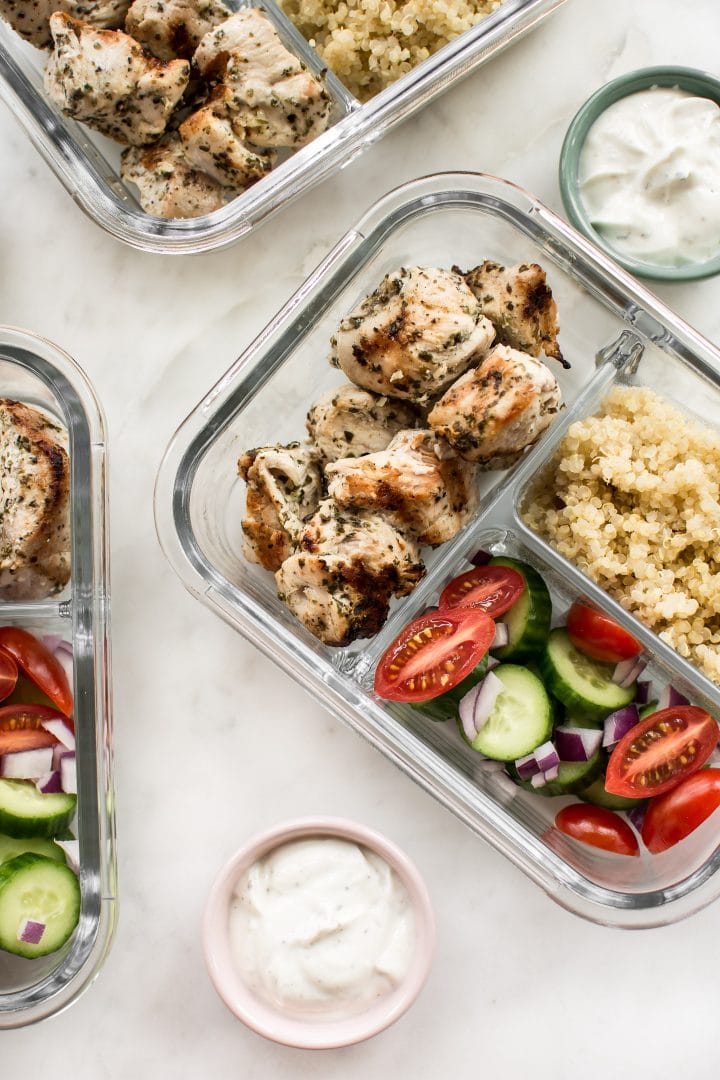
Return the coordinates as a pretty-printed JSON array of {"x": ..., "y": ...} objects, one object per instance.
[
  {"x": 321, "y": 926},
  {"x": 649, "y": 177}
]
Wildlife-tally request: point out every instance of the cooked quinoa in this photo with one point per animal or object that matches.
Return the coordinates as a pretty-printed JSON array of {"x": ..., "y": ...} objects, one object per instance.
[
  {"x": 371, "y": 43},
  {"x": 633, "y": 499}
]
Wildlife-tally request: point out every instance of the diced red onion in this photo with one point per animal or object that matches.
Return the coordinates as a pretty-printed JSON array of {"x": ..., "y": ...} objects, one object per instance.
[
  {"x": 64, "y": 656},
  {"x": 68, "y": 774},
  {"x": 490, "y": 689},
  {"x": 493, "y": 662},
  {"x": 59, "y": 752},
  {"x": 51, "y": 641},
  {"x": 636, "y": 815},
  {"x": 551, "y": 774},
  {"x": 466, "y": 710},
  {"x": 670, "y": 698},
  {"x": 481, "y": 558},
  {"x": 49, "y": 784},
  {"x": 618, "y": 723},
  {"x": 714, "y": 760},
  {"x": 527, "y": 767},
  {"x": 538, "y": 780},
  {"x": 642, "y": 693},
  {"x": 502, "y": 636},
  {"x": 27, "y": 764},
  {"x": 546, "y": 756},
  {"x": 72, "y": 851},
  {"x": 627, "y": 671},
  {"x": 577, "y": 744},
  {"x": 62, "y": 732},
  {"x": 31, "y": 932}
]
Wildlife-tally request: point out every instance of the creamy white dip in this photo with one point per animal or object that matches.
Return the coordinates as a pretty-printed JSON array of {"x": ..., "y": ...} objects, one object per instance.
[
  {"x": 321, "y": 926},
  {"x": 649, "y": 176}
]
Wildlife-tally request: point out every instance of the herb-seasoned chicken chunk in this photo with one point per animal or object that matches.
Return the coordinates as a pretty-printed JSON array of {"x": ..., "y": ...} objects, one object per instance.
[
  {"x": 347, "y": 568},
  {"x": 429, "y": 496},
  {"x": 348, "y": 422},
  {"x": 169, "y": 186},
  {"x": 34, "y": 503},
  {"x": 213, "y": 146},
  {"x": 413, "y": 336},
  {"x": 273, "y": 98},
  {"x": 31, "y": 18},
  {"x": 492, "y": 413},
  {"x": 284, "y": 486},
  {"x": 171, "y": 28},
  {"x": 519, "y": 303},
  {"x": 107, "y": 80}
]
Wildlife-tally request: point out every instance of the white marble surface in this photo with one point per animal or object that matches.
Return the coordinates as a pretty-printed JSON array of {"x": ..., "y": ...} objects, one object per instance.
[{"x": 213, "y": 743}]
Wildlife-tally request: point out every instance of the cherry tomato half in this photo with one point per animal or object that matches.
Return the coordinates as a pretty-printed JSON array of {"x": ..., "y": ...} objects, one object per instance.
[
  {"x": 39, "y": 664},
  {"x": 660, "y": 751},
  {"x": 21, "y": 727},
  {"x": 8, "y": 675},
  {"x": 494, "y": 589},
  {"x": 678, "y": 812},
  {"x": 599, "y": 636},
  {"x": 598, "y": 827},
  {"x": 433, "y": 654}
]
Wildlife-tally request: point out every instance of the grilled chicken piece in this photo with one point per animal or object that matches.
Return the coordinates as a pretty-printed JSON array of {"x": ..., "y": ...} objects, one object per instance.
[
  {"x": 284, "y": 486},
  {"x": 169, "y": 186},
  {"x": 274, "y": 99},
  {"x": 34, "y": 504},
  {"x": 348, "y": 422},
  {"x": 347, "y": 567},
  {"x": 412, "y": 337},
  {"x": 172, "y": 28},
  {"x": 493, "y": 413},
  {"x": 519, "y": 303},
  {"x": 212, "y": 145},
  {"x": 423, "y": 492},
  {"x": 31, "y": 18},
  {"x": 107, "y": 80}
]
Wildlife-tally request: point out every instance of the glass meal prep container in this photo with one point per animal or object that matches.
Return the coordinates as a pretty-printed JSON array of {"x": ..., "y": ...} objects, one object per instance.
[
  {"x": 612, "y": 330},
  {"x": 36, "y": 372},
  {"x": 87, "y": 164}
]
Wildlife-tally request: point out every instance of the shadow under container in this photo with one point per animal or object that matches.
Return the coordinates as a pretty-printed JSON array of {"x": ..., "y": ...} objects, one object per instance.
[
  {"x": 38, "y": 373},
  {"x": 88, "y": 164},
  {"x": 613, "y": 330}
]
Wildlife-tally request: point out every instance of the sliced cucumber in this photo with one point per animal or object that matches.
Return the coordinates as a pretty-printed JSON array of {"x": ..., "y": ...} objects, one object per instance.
[
  {"x": 573, "y": 777},
  {"x": 445, "y": 707},
  {"x": 648, "y": 710},
  {"x": 598, "y": 795},
  {"x": 37, "y": 889},
  {"x": 26, "y": 812},
  {"x": 10, "y": 848},
  {"x": 583, "y": 685},
  {"x": 521, "y": 718},
  {"x": 528, "y": 620}
]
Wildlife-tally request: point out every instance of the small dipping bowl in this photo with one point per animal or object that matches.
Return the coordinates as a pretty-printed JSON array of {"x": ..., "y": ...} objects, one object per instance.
[
  {"x": 698, "y": 83},
  {"x": 313, "y": 1032}
]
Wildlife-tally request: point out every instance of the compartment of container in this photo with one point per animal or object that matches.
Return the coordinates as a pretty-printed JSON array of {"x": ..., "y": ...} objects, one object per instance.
[
  {"x": 607, "y": 321},
  {"x": 87, "y": 164},
  {"x": 39, "y": 374}
]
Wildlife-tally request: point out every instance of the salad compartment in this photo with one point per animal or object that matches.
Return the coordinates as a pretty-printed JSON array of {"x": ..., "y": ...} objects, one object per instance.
[
  {"x": 39, "y": 374},
  {"x": 611, "y": 330},
  {"x": 87, "y": 164}
]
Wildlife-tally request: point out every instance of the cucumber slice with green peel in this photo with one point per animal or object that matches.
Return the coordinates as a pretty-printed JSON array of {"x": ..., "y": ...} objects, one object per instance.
[
  {"x": 10, "y": 848},
  {"x": 597, "y": 794},
  {"x": 26, "y": 812},
  {"x": 521, "y": 717},
  {"x": 528, "y": 620},
  {"x": 446, "y": 706},
  {"x": 573, "y": 777},
  {"x": 648, "y": 710},
  {"x": 39, "y": 902},
  {"x": 584, "y": 686}
]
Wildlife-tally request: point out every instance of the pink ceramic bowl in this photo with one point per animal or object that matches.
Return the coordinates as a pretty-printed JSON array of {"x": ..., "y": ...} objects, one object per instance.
[{"x": 313, "y": 1033}]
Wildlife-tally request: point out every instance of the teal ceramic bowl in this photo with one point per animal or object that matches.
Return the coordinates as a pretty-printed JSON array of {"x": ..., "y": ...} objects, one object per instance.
[{"x": 695, "y": 82}]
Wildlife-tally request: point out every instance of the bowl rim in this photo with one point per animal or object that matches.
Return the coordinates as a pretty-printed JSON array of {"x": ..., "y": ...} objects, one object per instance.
[
  {"x": 698, "y": 82},
  {"x": 311, "y": 1033}
]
